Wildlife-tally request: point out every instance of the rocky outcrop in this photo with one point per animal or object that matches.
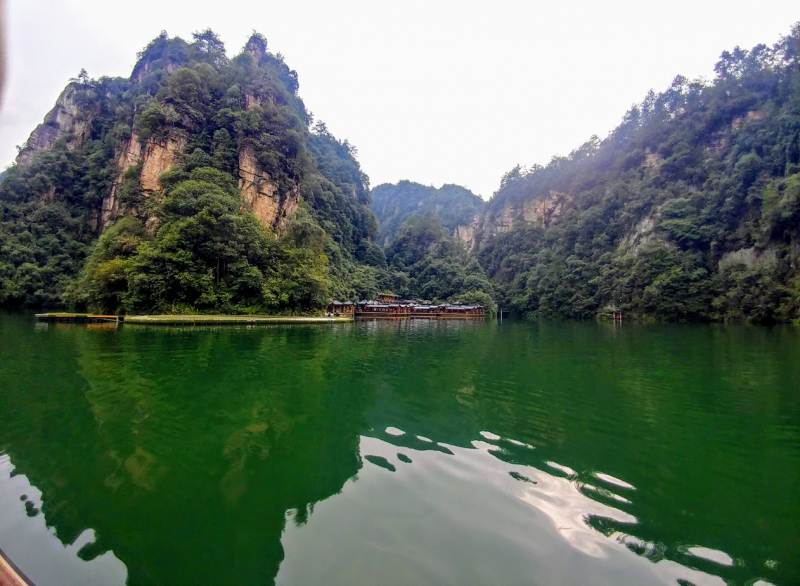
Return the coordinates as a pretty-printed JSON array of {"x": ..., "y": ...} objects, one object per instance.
[
  {"x": 158, "y": 156},
  {"x": 468, "y": 232},
  {"x": 750, "y": 258},
  {"x": 260, "y": 194},
  {"x": 127, "y": 158},
  {"x": 250, "y": 100},
  {"x": 736, "y": 123},
  {"x": 652, "y": 159},
  {"x": 71, "y": 117},
  {"x": 501, "y": 222},
  {"x": 643, "y": 237},
  {"x": 540, "y": 210},
  {"x": 256, "y": 48},
  {"x": 145, "y": 66}
]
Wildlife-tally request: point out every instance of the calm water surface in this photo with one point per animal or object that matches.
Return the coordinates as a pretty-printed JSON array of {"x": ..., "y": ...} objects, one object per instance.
[{"x": 400, "y": 453}]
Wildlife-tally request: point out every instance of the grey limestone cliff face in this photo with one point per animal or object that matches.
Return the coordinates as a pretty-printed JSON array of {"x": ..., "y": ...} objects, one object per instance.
[
  {"x": 143, "y": 67},
  {"x": 70, "y": 118}
]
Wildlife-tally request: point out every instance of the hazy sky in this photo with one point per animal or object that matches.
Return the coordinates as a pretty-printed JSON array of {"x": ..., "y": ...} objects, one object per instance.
[{"x": 432, "y": 91}]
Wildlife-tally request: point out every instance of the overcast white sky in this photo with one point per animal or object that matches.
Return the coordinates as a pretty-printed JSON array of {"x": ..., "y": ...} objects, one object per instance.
[{"x": 432, "y": 91}]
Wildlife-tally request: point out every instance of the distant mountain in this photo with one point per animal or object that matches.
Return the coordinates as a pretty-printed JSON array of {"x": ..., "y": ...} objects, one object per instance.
[
  {"x": 427, "y": 262},
  {"x": 199, "y": 185},
  {"x": 457, "y": 208}
]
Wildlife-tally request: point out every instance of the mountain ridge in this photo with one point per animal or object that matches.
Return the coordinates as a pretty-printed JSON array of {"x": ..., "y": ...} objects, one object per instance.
[
  {"x": 200, "y": 183},
  {"x": 688, "y": 210}
]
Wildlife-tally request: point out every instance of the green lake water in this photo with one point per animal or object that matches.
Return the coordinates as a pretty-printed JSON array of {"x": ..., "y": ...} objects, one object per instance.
[{"x": 402, "y": 452}]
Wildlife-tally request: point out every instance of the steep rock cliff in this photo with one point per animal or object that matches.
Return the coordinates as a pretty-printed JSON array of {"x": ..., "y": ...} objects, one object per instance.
[
  {"x": 70, "y": 118},
  {"x": 146, "y": 66},
  {"x": 178, "y": 153},
  {"x": 539, "y": 210},
  {"x": 260, "y": 194},
  {"x": 467, "y": 233},
  {"x": 128, "y": 157},
  {"x": 158, "y": 156}
]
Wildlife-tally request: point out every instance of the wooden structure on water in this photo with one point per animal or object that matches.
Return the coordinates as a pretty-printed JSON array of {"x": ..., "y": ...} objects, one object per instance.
[
  {"x": 615, "y": 312},
  {"x": 79, "y": 318},
  {"x": 399, "y": 308},
  {"x": 389, "y": 298},
  {"x": 341, "y": 308},
  {"x": 100, "y": 321}
]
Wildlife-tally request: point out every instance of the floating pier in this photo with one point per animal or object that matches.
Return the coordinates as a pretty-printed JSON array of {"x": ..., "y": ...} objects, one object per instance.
[
  {"x": 79, "y": 318},
  {"x": 190, "y": 320},
  {"x": 184, "y": 320}
]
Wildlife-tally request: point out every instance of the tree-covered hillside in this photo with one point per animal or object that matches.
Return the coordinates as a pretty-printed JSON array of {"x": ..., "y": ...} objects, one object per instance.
[
  {"x": 395, "y": 204},
  {"x": 205, "y": 184},
  {"x": 200, "y": 184},
  {"x": 688, "y": 210},
  {"x": 426, "y": 262}
]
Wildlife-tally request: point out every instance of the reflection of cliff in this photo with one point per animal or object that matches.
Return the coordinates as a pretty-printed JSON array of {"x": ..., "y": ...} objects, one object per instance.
[
  {"x": 188, "y": 449},
  {"x": 183, "y": 457}
]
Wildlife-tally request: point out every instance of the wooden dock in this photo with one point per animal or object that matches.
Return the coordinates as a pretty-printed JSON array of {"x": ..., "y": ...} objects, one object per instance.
[
  {"x": 212, "y": 320},
  {"x": 78, "y": 318},
  {"x": 185, "y": 320}
]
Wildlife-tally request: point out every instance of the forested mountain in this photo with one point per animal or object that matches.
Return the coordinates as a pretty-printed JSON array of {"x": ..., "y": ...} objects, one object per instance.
[
  {"x": 457, "y": 208},
  {"x": 195, "y": 185},
  {"x": 688, "y": 210},
  {"x": 427, "y": 262},
  {"x": 200, "y": 184}
]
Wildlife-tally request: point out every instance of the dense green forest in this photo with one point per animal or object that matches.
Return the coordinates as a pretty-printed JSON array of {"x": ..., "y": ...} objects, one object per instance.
[
  {"x": 688, "y": 210},
  {"x": 191, "y": 243},
  {"x": 395, "y": 204},
  {"x": 202, "y": 184},
  {"x": 426, "y": 262}
]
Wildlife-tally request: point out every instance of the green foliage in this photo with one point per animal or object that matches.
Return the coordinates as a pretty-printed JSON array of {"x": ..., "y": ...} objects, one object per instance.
[
  {"x": 207, "y": 255},
  {"x": 192, "y": 246},
  {"x": 44, "y": 226},
  {"x": 689, "y": 210},
  {"x": 425, "y": 262},
  {"x": 395, "y": 204}
]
